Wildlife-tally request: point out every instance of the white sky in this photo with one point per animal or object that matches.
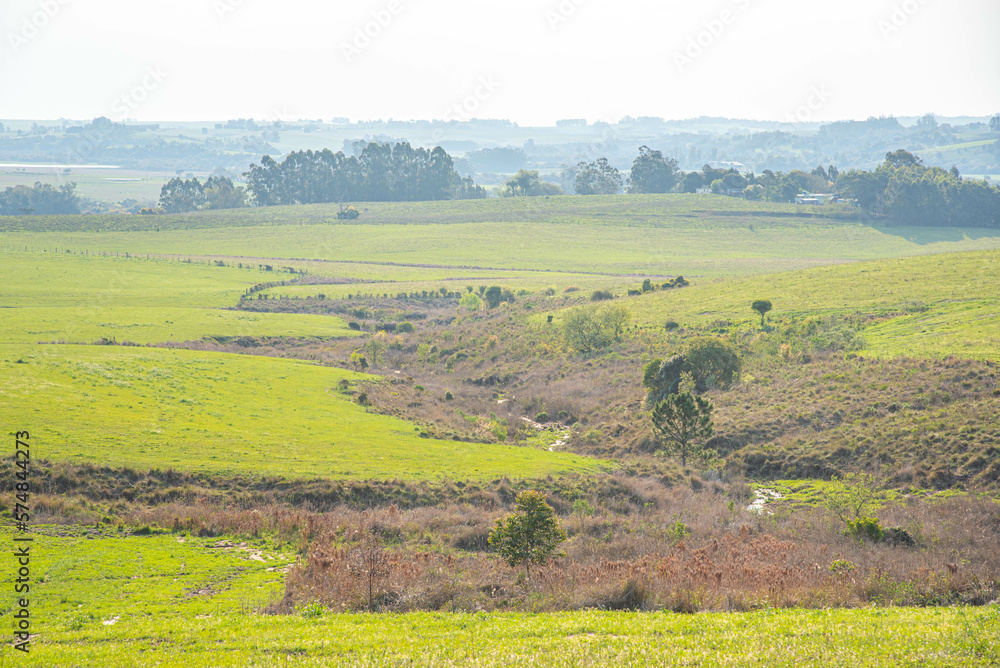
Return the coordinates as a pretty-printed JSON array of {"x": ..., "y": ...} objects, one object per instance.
[{"x": 546, "y": 60}]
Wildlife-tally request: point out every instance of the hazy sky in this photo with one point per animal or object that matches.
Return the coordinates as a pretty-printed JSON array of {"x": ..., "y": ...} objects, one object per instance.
[{"x": 530, "y": 61}]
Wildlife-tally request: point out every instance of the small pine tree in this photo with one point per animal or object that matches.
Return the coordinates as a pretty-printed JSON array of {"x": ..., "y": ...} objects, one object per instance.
[
  {"x": 530, "y": 534},
  {"x": 681, "y": 421}
]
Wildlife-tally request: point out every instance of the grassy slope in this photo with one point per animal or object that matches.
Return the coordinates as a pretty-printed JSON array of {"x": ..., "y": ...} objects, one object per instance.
[
  {"x": 671, "y": 234},
  {"x": 198, "y": 411},
  {"x": 176, "y": 603},
  {"x": 960, "y": 292},
  {"x": 80, "y": 299}
]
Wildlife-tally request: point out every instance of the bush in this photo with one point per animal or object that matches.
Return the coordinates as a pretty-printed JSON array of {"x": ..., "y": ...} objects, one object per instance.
[
  {"x": 355, "y": 326},
  {"x": 865, "y": 528},
  {"x": 405, "y": 328},
  {"x": 542, "y": 417},
  {"x": 601, "y": 295},
  {"x": 448, "y": 396},
  {"x": 530, "y": 534},
  {"x": 671, "y": 325}
]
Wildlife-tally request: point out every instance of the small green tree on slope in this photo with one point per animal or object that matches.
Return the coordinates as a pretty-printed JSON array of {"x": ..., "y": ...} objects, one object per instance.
[
  {"x": 682, "y": 421},
  {"x": 762, "y": 306},
  {"x": 530, "y": 534}
]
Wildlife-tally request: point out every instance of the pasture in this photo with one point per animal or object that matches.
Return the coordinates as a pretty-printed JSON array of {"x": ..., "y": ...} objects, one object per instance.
[
  {"x": 110, "y": 598},
  {"x": 225, "y": 413}
]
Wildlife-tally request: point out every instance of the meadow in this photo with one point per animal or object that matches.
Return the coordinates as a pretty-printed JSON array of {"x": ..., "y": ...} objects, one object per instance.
[
  {"x": 186, "y": 515},
  {"x": 224, "y": 413},
  {"x": 110, "y": 598},
  {"x": 654, "y": 235},
  {"x": 932, "y": 306}
]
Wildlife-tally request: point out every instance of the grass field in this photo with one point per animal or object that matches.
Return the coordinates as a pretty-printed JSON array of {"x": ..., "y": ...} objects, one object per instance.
[
  {"x": 214, "y": 412},
  {"x": 670, "y": 234},
  {"x": 76, "y": 298},
  {"x": 173, "y": 600},
  {"x": 947, "y": 304}
]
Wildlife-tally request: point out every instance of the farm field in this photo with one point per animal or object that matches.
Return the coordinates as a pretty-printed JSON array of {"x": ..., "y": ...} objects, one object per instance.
[
  {"x": 225, "y": 413},
  {"x": 175, "y": 600},
  {"x": 653, "y": 235}
]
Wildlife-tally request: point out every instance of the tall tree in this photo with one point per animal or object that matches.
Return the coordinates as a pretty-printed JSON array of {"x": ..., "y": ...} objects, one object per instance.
[
  {"x": 598, "y": 178},
  {"x": 651, "y": 173},
  {"x": 682, "y": 421}
]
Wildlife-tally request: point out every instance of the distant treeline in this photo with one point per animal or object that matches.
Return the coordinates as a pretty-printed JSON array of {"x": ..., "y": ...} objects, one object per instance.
[
  {"x": 41, "y": 198},
  {"x": 381, "y": 173},
  {"x": 218, "y": 192},
  {"x": 906, "y": 191}
]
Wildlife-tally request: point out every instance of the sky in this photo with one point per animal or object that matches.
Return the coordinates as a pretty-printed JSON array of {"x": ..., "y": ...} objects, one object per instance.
[{"x": 529, "y": 62}]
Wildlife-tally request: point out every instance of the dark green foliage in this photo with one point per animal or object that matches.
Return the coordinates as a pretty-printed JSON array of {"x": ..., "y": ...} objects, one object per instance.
[
  {"x": 713, "y": 363},
  {"x": 682, "y": 421},
  {"x": 381, "y": 173},
  {"x": 179, "y": 195},
  {"x": 530, "y": 534},
  {"x": 495, "y": 294},
  {"x": 662, "y": 378},
  {"x": 601, "y": 295},
  {"x": 405, "y": 328},
  {"x": 762, "y": 306}
]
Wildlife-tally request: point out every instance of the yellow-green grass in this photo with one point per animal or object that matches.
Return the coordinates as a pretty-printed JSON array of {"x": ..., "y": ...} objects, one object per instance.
[
  {"x": 76, "y": 280},
  {"x": 74, "y": 298},
  {"x": 655, "y": 235},
  {"x": 136, "y": 324},
  {"x": 961, "y": 328},
  {"x": 961, "y": 292},
  {"x": 227, "y": 413},
  {"x": 156, "y": 601}
]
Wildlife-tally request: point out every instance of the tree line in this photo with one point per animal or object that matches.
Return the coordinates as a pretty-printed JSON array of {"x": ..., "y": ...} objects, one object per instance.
[
  {"x": 903, "y": 189},
  {"x": 39, "y": 199},
  {"x": 381, "y": 173}
]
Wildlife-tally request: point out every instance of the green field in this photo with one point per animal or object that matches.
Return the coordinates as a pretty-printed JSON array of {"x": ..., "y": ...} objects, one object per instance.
[
  {"x": 946, "y": 304},
  {"x": 171, "y": 600},
  {"x": 72, "y": 298},
  {"x": 225, "y": 413},
  {"x": 654, "y": 235}
]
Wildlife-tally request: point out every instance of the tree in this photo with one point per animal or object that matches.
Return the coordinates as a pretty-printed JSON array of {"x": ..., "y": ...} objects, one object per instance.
[
  {"x": 682, "y": 421},
  {"x": 370, "y": 562},
  {"x": 530, "y": 534},
  {"x": 651, "y": 173},
  {"x": 524, "y": 183},
  {"x": 589, "y": 329},
  {"x": 598, "y": 178},
  {"x": 711, "y": 362},
  {"x": 995, "y": 123},
  {"x": 762, "y": 306}
]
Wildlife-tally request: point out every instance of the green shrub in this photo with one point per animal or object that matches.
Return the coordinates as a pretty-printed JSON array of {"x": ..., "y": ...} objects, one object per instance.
[
  {"x": 542, "y": 417},
  {"x": 671, "y": 325},
  {"x": 405, "y": 328},
  {"x": 448, "y": 396},
  {"x": 601, "y": 295},
  {"x": 865, "y": 528}
]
